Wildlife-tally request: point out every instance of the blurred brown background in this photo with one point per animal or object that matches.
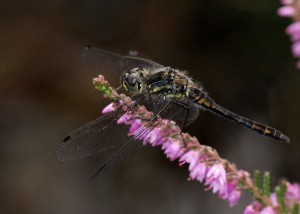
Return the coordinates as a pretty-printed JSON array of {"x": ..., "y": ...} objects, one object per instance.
[{"x": 237, "y": 49}]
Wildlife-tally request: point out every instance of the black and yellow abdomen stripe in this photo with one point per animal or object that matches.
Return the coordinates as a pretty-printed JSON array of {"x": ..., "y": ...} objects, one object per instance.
[{"x": 205, "y": 102}]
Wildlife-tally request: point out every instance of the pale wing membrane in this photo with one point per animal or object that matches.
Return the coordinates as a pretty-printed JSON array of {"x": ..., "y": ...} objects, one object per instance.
[
  {"x": 105, "y": 62},
  {"x": 139, "y": 54},
  {"x": 99, "y": 135},
  {"x": 129, "y": 62},
  {"x": 112, "y": 64},
  {"x": 126, "y": 150}
]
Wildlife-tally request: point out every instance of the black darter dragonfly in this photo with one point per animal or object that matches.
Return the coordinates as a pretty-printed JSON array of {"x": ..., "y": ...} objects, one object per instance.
[{"x": 163, "y": 90}]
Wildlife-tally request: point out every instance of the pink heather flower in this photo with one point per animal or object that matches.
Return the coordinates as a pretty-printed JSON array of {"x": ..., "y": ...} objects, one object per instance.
[
  {"x": 250, "y": 210},
  {"x": 172, "y": 149},
  {"x": 126, "y": 118},
  {"x": 141, "y": 133},
  {"x": 268, "y": 210},
  {"x": 294, "y": 31},
  {"x": 296, "y": 49},
  {"x": 292, "y": 196},
  {"x": 286, "y": 11},
  {"x": 257, "y": 208},
  {"x": 191, "y": 157},
  {"x": 99, "y": 79},
  {"x": 154, "y": 137},
  {"x": 285, "y": 2},
  {"x": 136, "y": 127},
  {"x": 233, "y": 195},
  {"x": 253, "y": 208},
  {"x": 295, "y": 37},
  {"x": 198, "y": 172},
  {"x": 291, "y": 9},
  {"x": 111, "y": 107},
  {"x": 274, "y": 199},
  {"x": 293, "y": 28},
  {"x": 216, "y": 179},
  {"x": 293, "y": 192}
]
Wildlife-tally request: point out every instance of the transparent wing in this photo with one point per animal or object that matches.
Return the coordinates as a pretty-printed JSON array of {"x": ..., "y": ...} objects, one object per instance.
[
  {"x": 181, "y": 111},
  {"x": 104, "y": 62},
  {"x": 183, "y": 114},
  {"x": 139, "y": 54},
  {"x": 99, "y": 135},
  {"x": 129, "y": 62},
  {"x": 125, "y": 151},
  {"x": 112, "y": 64}
]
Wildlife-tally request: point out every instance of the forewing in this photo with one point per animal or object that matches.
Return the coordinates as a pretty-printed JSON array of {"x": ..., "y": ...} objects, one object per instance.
[
  {"x": 126, "y": 150},
  {"x": 129, "y": 62},
  {"x": 105, "y": 62},
  {"x": 99, "y": 135},
  {"x": 113, "y": 65},
  {"x": 136, "y": 53}
]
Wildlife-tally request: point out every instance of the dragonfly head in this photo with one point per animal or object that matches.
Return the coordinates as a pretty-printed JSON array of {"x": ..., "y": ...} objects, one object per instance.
[{"x": 134, "y": 80}]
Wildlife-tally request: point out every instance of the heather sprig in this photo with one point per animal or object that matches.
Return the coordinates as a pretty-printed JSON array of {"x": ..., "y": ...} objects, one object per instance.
[
  {"x": 285, "y": 199},
  {"x": 204, "y": 163},
  {"x": 291, "y": 9}
]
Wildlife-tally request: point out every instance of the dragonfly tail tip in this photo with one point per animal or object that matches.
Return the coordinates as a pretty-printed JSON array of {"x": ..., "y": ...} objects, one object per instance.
[{"x": 285, "y": 139}]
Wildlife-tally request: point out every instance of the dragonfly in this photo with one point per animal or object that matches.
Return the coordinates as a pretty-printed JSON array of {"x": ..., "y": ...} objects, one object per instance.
[{"x": 165, "y": 91}]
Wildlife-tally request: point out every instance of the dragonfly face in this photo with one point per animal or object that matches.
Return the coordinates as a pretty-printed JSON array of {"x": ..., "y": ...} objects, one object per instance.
[
  {"x": 166, "y": 92},
  {"x": 135, "y": 80}
]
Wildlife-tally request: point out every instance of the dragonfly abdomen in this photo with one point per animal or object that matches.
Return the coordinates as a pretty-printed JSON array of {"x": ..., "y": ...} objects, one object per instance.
[{"x": 207, "y": 103}]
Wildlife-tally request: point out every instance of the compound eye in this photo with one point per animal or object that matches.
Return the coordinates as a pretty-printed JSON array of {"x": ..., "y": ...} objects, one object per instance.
[
  {"x": 134, "y": 70},
  {"x": 132, "y": 78}
]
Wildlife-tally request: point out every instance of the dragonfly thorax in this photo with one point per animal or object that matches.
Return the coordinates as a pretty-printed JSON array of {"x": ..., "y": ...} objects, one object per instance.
[
  {"x": 135, "y": 80},
  {"x": 176, "y": 82}
]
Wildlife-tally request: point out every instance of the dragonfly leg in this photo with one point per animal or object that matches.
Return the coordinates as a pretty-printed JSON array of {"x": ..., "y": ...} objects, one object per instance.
[{"x": 118, "y": 88}]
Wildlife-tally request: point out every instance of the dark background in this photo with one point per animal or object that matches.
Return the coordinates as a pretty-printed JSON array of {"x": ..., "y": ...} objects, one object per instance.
[{"x": 237, "y": 49}]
